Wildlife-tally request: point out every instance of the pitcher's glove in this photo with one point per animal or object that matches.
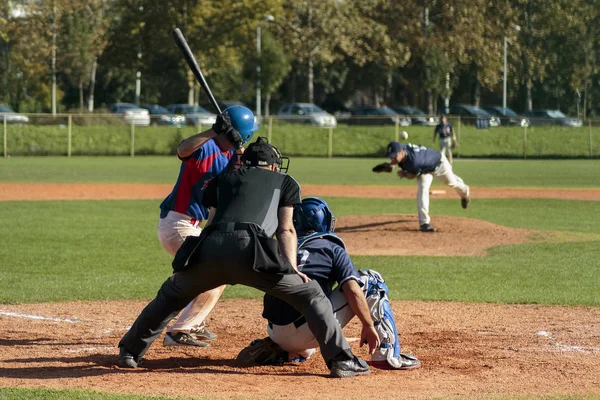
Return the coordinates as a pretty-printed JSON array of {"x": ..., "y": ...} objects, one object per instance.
[
  {"x": 262, "y": 352},
  {"x": 383, "y": 167}
]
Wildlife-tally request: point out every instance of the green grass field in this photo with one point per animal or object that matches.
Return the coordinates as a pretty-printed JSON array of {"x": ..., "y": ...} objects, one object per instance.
[{"x": 94, "y": 250}]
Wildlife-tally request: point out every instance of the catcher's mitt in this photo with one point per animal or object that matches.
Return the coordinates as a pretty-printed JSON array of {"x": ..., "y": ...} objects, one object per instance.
[
  {"x": 262, "y": 352},
  {"x": 383, "y": 167}
]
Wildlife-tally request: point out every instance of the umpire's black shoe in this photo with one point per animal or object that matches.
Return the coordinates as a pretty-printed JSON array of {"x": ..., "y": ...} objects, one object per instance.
[
  {"x": 427, "y": 228},
  {"x": 128, "y": 360},
  {"x": 349, "y": 368}
]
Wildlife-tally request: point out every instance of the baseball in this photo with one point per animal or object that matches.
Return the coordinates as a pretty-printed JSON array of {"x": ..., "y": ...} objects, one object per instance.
[{"x": 403, "y": 135}]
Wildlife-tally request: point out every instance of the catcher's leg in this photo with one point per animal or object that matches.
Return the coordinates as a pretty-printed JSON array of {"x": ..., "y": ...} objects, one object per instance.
[
  {"x": 445, "y": 173},
  {"x": 297, "y": 339},
  {"x": 424, "y": 183},
  {"x": 388, "y": 355},
  {"x": 195, "y": 313}
]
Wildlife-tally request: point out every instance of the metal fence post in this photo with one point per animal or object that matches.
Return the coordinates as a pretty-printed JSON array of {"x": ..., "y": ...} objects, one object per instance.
[
  {"x": 330, "y": 144},
  {"x": 69, "y": 134},
  {"x": 270, "y": 129},
  {"x": 525, "y": 142},
  {"x": 397, "y": 134},
  {"x": 458, "y": 139},
  {"x": 590, "y": 125},
  {"x": 5, "y": 136},
  {"x": 131, "y": 151}
]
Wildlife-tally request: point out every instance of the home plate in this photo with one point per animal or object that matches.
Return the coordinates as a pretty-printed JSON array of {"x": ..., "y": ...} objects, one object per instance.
[{"x": 437, "y": 192}]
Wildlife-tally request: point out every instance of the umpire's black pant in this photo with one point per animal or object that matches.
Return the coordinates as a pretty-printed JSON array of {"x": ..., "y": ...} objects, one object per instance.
[{"x": 227, "y": 258}]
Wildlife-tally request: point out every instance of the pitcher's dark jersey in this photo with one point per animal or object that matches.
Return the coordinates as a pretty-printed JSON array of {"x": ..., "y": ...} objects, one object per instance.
[{"x": 420, "y": 159}]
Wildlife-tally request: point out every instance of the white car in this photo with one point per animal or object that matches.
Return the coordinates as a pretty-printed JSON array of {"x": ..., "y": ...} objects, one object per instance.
[
  {"x": 131, "y": 112},
  {"x": 195, "y": 115},
  {"x": 11, "y": 116},
  {"x": 307, "y": 113}
]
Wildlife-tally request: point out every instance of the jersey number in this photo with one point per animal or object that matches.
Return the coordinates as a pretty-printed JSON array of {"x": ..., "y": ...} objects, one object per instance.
[{"x": 302, "y": 256}]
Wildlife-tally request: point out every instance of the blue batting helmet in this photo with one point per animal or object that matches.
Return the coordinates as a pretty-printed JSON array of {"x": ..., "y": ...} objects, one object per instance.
[
  {"x": 242, "y": 120},
  {"x": 313, "y": 215}
]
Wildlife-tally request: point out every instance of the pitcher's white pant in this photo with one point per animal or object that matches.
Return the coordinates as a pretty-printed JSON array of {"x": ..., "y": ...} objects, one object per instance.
[
  {"x": 172, "y": 231},
  {"x": 300, "y": 341},
  {"x": 445, "y": 174}
]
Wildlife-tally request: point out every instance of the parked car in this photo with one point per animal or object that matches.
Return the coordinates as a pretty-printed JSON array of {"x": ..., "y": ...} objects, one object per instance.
[
  {"x": 161, "y": 116},
  {"x": 376, "y": 116},
  {"x": 307, "y": 113},
  {"x": 474, "y": 115},
  {"x": 508, "y": 117},
  {"x": 194, "y": 115},
  {"x": 11, "y": 116},
  {"x": 131, "y": 112},
  {"x": 417, "y": 117},
  {"x": 551, "y": 117}
]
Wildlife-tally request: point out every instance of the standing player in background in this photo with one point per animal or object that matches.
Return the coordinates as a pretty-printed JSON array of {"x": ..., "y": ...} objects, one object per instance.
[
  {"x": 446, "y": 132},
  {"x": 423, "y": 163},
  {"x": 202, "y": 158},
  {"x": 323, "y": 258}
]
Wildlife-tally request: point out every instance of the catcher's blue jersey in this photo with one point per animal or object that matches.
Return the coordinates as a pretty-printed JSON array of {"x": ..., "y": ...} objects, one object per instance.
[
  {"x": 324, "y": 261},
  {"x": 420, "y": 159}
]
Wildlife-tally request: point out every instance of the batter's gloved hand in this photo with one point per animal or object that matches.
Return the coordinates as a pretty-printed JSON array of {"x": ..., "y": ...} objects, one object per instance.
[
  {"x": 383, "y": 167},
  {"x": 223, "y": 125}
]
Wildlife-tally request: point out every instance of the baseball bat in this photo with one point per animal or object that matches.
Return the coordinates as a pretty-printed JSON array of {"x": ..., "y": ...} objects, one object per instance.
[{"x": 193, "y": 64}]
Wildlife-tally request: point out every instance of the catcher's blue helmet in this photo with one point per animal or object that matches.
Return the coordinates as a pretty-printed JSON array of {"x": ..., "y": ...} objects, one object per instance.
[
  {"x": 313, "y": 215},
  {"x": 242, "y": 120}
]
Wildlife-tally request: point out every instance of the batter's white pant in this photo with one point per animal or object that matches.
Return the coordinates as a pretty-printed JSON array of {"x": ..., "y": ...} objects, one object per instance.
[
  {"x": 299, "y": 341},
  {"x": 446, "y": 146},
  {"x": 172, "y": 231},
  {"x": 445, "y": 174}
]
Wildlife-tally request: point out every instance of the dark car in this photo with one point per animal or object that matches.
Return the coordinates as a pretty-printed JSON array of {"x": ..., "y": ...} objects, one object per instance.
[
  {"x": 194, "y": 115},
  {"x": 474, "y": 115},
  {"x": 551, "y": 117},
  {"x": 376, "y": 116},
  {"x": 159, "y": 115},
  {"x": 508, "y": 117},
  {"x": 417, "y": 117}
]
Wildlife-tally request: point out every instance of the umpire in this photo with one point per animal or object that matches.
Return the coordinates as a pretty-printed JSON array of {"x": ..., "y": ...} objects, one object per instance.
[{"x": 248, "y": 206}]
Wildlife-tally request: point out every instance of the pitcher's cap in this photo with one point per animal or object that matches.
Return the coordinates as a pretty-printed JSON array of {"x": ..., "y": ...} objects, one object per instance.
[{"x": 392, "y": 149}]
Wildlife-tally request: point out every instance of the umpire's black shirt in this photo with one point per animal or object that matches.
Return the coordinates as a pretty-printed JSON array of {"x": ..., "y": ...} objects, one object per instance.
[{"x": 251, "y": 194}]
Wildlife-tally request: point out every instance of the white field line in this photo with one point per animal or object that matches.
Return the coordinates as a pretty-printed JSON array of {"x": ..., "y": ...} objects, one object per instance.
[
  {"x": 37, "y": 317},
  {"x": 565, "y": 347}
]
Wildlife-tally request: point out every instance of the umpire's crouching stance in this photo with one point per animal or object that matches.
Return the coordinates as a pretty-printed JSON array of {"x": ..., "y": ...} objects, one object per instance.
[{"x": 248, "y": 206}]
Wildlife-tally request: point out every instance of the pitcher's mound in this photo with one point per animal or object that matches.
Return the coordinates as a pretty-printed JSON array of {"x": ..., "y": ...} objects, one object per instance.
[{"x": 400, "y": 235}]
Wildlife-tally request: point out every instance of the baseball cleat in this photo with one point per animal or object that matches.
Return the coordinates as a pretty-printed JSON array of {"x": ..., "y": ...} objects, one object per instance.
[
  {"x": 182, "y": 339},
  {"x": 427, "y": 228},
  {"x": 349, "y": 368},
  {"x": 202, "y": 333},
  {"x": 464, "y": 201},
  {"x": 127, "y": 360}
]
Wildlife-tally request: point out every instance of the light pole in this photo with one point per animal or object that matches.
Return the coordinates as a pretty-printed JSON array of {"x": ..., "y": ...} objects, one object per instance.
[
  {"x": 269, "y": 18},
  {"x": 516, "y": 28}
]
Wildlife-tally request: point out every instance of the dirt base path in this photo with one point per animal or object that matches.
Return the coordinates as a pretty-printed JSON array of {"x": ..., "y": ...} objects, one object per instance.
[
  {"x": 467, "y": 350},
  {"x": 99, "y": 191}
]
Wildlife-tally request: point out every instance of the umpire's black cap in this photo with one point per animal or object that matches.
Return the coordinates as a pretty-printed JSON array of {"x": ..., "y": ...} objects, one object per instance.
[
  {"x": 392, "y": 149},
  {"x": 261, "y": 154}
]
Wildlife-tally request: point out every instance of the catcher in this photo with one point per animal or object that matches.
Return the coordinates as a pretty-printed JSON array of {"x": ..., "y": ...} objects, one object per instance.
[
  {"x": 322, "y": 257},
  {"x": 423, "y": 163}
]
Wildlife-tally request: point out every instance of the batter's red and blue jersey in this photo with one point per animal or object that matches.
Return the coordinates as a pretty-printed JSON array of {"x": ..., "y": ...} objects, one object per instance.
[{"x": 195, "y": 173}]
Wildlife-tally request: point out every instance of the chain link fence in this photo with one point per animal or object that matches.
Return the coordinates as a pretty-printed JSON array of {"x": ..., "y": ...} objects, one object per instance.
[{"x": 110, "y": 134}]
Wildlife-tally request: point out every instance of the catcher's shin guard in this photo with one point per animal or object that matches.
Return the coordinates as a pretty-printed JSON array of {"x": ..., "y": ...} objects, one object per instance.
[{"x": 376, "y": 293}]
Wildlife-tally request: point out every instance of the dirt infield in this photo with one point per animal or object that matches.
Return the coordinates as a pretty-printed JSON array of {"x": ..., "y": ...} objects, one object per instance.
[
  {"x": 95, "y": 191},
  {"x": 467, "y": 350}
]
